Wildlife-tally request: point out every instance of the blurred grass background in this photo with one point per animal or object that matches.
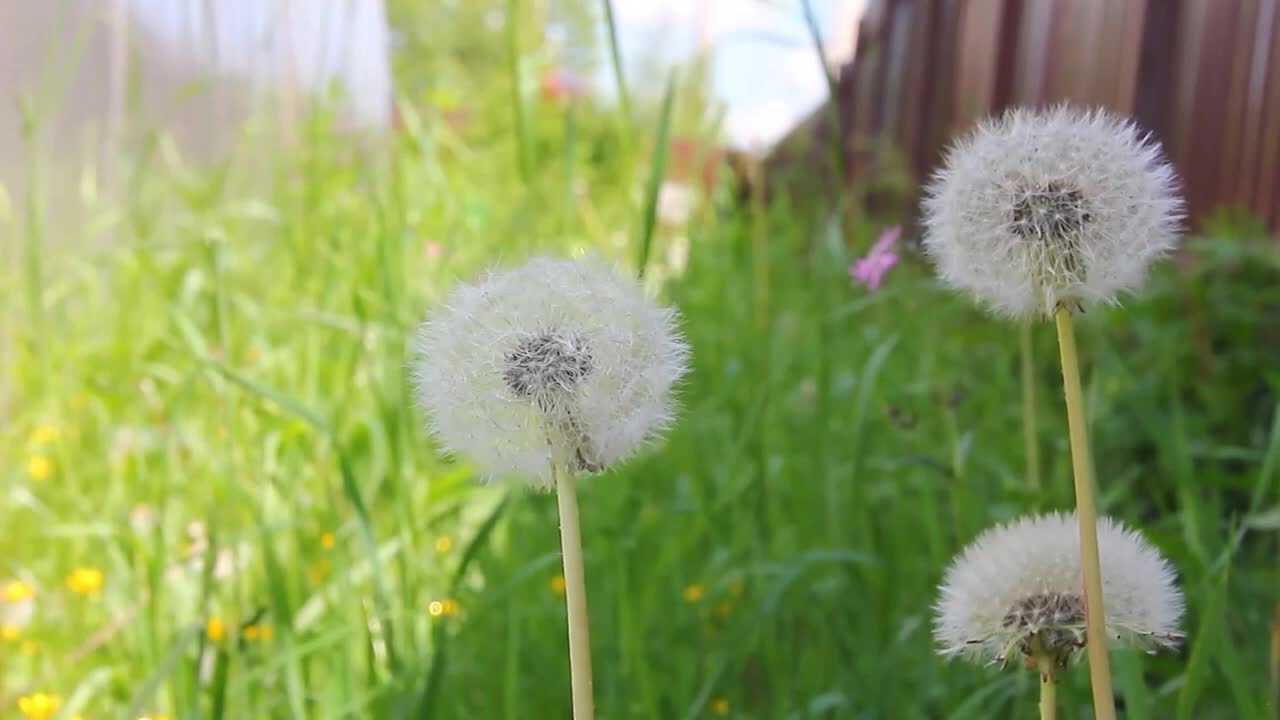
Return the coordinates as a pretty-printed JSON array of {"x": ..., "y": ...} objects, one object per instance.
[{"x": 219, "y": 501}]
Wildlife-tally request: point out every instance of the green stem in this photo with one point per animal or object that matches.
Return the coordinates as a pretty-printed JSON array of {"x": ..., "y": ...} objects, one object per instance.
[
  {"x": 1087, "y": 516},
  {"x": 1048, "y": 688},
  {"x": 1032, "y": 447},
  {"x": 575, "y": 594}
]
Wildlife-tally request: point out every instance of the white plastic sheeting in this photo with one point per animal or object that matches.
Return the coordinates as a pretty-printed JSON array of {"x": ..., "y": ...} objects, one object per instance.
[{"x": 282, "y": 45}]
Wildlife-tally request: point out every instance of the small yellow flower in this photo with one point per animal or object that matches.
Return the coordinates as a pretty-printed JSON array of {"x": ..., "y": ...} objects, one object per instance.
[
  {"x": 29, "y": 647},
  {"x": 693, "y": 593},
  {"x": 257, "y": 632},
  {"x": 327, "y": 540},
  {"x": 38, "y": 706},
  {"x": 85, "y": 580},
  {"x": 318, "y": 570},
  {"x": 720, "y": 706},
  {"x": 443, "y": 544},
  {"x": 723, "y": 608},
  {"x": 43, "y": 435},
  {"x": 17, "y": 591},
  {"x": 215, "y": 629},
  {"x": 557, "y": 584},
  {"x": 9, "y": 632},
  {"x": 39, "y": 467},
  {"x": 447, "y": 607}
]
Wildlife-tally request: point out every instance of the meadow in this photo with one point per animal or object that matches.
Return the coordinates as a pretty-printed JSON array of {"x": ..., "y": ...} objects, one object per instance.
[{"x": 220, "y": 501}]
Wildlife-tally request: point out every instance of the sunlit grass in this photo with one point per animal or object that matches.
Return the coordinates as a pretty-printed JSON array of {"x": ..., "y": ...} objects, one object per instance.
[{"x": 219, "y": 502}]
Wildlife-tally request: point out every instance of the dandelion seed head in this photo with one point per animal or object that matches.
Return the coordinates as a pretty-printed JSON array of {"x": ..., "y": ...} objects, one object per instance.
[
  {"x": 1019, "y": 585},
  {"x": 1041, "y": 208},
  {"x": 556, "y": 358}
]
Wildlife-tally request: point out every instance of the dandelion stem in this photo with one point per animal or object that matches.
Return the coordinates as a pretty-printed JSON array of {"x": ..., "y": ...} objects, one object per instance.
[
  {"x": 1048, "y": 688},
  {"x": 1087, "y": 515},
  {"x": 1032, "y": 447},
  {"x": 575, "y": 594}
]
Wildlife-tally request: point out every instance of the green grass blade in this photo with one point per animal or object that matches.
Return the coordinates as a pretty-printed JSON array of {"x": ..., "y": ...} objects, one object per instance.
[
  {"x": 657, "y": 172},
  {"x": 615, "y": 61}
]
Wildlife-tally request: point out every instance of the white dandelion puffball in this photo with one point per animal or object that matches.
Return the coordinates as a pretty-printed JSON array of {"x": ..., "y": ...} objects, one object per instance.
[
  {"x": 1041, "y": 208},
  {"x": 1019, "y": 583},
  {"x": 557, "y": 359}
]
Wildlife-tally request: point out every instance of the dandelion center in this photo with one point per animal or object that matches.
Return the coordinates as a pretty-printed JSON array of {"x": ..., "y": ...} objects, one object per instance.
[
  {"x": 547, "y": 363},
  {"x": 1053, "y": 212},
  {"x": 1055, "y": 620}
]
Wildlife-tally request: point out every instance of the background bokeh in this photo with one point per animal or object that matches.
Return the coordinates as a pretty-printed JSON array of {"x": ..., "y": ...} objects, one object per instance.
[{"x": 219, "y": 227}]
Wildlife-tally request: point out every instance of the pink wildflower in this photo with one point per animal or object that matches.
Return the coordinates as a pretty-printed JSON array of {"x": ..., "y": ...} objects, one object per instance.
[{"x": 870, "y": 270}]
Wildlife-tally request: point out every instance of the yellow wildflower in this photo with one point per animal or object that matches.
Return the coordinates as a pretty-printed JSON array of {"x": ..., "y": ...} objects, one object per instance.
[
  {"x": 17, "y": 591},
  {"x": 43, "y": 435},
  {"x": 29, "y": 647},
  {"x": 318, "y": 570},
  {"x": 443, "y": 544},
  {"x": 215, "y": 629},
  {"x": 327, "y": 540},
  {"x": 720, "y": 706},
  {"x": 85, "y": 580},
  {"x": 557, "y": 584},
  {"x": 38, "y": 706},
  {"x": 447, "y": 607},
  {"x": 9, "y": 632},
  {"x": 693, "y": 593},
  {"x": 39, "y": 467},
  {"x": 257, "y": 632}
]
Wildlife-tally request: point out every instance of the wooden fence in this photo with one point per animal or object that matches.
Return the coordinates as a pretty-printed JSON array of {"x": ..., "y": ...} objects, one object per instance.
[{"x": 1203, "y": 75}]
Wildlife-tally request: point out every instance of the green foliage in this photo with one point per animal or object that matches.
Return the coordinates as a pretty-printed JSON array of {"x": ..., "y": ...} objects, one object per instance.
[{"x": 221, "y": 397}]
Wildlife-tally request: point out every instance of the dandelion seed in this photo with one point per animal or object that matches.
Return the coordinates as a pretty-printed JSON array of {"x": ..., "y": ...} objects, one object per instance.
[
  {"x": 1038, "y": 209},
  {"x": 692, "y": 593},
  {"x": 39, "y": 467},
  {"x": 85, "y": 580},
  {"x": 553, "y": 359},
  {"x": 1017, "y": 589}
]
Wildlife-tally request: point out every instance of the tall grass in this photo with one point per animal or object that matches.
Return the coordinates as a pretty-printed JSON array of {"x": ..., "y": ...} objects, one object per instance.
[{"x": 232, "y": 438}]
